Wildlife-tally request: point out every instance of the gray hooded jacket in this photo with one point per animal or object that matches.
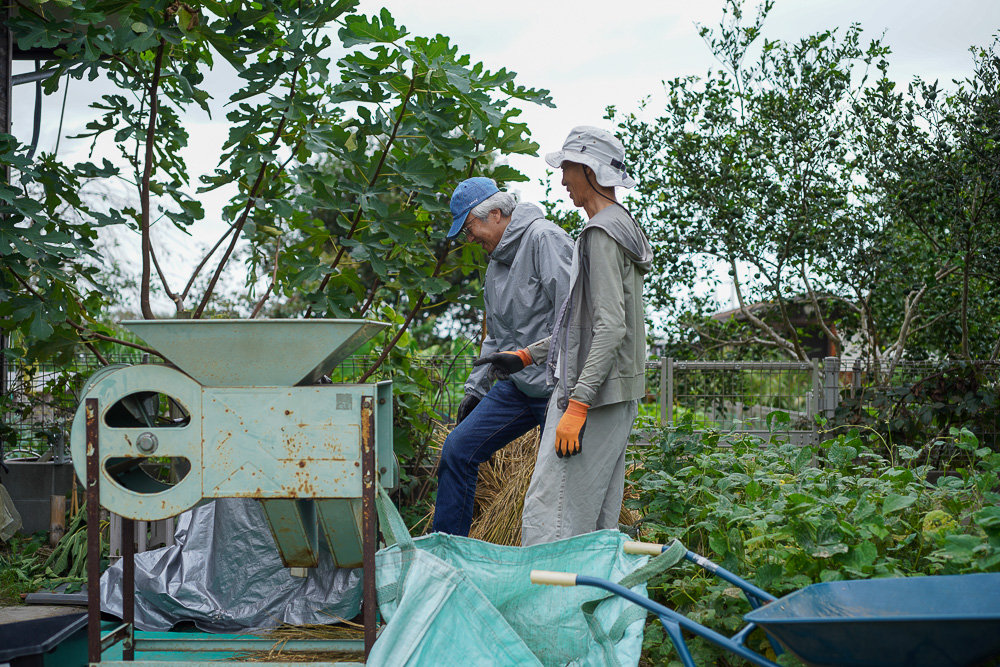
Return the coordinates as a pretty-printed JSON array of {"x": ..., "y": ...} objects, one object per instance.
[
  {"x": 597, "y": 352},
  {"x": 526, "y": 281}
]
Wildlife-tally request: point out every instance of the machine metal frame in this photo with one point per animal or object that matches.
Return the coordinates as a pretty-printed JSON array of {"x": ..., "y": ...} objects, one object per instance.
[{"x": 125, "y": 632}]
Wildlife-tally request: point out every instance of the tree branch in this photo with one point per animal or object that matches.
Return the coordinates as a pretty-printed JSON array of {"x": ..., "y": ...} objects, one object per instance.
[
  {"x": 163, "y": 281},
  {"x": 409, "y": 319},
  {"x": 99, "y": 336},
  {"x": 371, "y": 298},
  {"x": 378, "y": 171},
  {"x": 83, "y": 329},
  {"x": 251, "y": 196},
  {"x": 205, "y": 259},
  {"x": 147, "y": 171},
  {"x": 819, "y": 313},
  {"x": 97, "y": 353},
  {"x": 910, "y": 310},
  {"x": 756, "y": 321},
  {"x": 274, "y": 281}
]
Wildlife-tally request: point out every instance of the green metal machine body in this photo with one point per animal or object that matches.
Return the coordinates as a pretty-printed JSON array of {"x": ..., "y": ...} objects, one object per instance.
[{"x": 241, "y": 415}]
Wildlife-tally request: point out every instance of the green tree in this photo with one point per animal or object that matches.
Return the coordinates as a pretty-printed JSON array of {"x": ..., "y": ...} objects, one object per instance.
[
  {"x": 746, "y": 169},
  {"x": 402, "y": 118},
  {"x": 801, "y": 169},
  {"x": 340, "y": 167}
]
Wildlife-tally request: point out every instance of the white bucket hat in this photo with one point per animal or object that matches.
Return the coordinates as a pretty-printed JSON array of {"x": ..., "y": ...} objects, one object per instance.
[{"x": 599, "y": 150}]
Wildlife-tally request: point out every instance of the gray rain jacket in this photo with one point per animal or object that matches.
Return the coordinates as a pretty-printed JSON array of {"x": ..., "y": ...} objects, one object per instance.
[
  {"x": 598, "y": 346},
  {"x": 526, "y": 281}
]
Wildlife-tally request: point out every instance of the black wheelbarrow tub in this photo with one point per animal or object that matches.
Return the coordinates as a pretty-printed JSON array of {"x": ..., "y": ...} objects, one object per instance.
[{"x": 909, "y": 622}]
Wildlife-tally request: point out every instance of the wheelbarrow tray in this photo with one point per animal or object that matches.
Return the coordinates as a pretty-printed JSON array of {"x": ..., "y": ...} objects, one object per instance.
[{"x": 909, "y": 622}]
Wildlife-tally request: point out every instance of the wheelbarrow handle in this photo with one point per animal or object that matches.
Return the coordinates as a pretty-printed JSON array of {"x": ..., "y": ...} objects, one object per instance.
[
  {"x": 755, "y": 595},
  {"x": 550, "y": 578},
  {"x": 673, "y": 622},
  {"x": 643, "y": 548}
]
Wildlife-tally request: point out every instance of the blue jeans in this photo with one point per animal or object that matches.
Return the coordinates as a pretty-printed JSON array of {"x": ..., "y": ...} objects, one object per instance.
[{"x": 505, "y": 414}]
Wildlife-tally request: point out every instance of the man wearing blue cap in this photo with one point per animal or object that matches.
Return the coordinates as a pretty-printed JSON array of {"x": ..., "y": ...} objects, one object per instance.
[{"x": 527, "y": 279}]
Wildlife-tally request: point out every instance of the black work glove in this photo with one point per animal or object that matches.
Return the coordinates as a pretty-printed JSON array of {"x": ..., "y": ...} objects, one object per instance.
[
  {"x": 504, "y": 363},
  {"x": 467, "y": 405}
]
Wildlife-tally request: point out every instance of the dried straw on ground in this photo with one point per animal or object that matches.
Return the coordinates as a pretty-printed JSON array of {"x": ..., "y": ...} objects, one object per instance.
[
  {"x": 284, "y": 633},
  {"x": 503, "y": 481}
]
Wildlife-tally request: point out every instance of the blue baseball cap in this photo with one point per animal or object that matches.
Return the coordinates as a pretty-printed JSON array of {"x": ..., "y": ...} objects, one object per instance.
[{"x": 469, "y": 193}]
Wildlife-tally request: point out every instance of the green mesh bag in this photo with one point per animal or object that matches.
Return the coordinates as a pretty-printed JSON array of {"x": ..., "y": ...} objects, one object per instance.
[{"x": 454, "y": 600}]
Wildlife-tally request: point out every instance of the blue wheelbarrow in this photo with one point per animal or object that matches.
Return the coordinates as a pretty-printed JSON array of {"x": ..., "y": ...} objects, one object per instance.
[{"x": 909, "y": 622}]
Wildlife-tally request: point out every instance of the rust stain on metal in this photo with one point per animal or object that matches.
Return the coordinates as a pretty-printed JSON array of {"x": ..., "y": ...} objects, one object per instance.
[
  {"x": 288, "y": 412},
  {"x": 302, "y": 463},
  {"x": 93, "y": 534},
  {"x": 128, "y": 583},
  {"x": 368, "y": 535}
]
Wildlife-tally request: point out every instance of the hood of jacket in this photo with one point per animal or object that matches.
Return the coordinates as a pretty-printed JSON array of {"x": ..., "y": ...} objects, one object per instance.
[
  {"x": 626, "y": 231},
  {"x": 520, "y": 219}
]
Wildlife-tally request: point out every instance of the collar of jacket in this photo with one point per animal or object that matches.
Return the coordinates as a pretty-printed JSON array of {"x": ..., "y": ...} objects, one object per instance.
[
  {"x": 520, "y": 219},
  {"x": 622, "y": 227}
]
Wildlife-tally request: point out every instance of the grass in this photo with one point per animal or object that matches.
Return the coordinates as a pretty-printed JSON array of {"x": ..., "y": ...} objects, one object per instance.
[{"x": 18, "y": 558}]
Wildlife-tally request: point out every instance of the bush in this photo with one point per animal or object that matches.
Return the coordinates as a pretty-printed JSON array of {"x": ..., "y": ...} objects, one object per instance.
[{"x": 785, "y": 516}]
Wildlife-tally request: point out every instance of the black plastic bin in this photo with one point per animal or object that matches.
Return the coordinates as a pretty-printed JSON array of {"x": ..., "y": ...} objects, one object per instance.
[{"x": 36, "y": 643}]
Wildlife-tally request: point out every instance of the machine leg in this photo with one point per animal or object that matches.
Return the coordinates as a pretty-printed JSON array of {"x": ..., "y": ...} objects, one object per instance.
[
  {"x": 128, "y": 586},
  {"x": 368, "y": 600},
  {"x": 93, "y": 535}
]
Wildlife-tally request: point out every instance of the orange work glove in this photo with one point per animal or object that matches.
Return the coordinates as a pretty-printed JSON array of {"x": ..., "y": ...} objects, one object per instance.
[
  {"x": 569, "y": 432},
  {"x": 505, "y": 363}
]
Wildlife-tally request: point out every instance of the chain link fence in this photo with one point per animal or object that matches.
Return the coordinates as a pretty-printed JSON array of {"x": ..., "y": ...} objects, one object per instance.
[
  {"x": 741, "y": 396},
  {"x": 721, "y": 395}
]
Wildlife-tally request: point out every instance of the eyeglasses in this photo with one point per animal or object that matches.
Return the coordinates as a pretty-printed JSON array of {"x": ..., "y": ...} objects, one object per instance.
[{"x": 465, "y": 228}]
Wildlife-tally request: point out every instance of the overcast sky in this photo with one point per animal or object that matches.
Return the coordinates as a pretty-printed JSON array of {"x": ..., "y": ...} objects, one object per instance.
[
  {"x": 589, "y": 55},
  {"x": 592, "y": 54}
]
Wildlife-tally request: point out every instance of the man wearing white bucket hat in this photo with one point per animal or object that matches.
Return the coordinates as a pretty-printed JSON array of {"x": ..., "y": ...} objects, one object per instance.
[
  {"x": 596, "y": 355},
  {"x": 526, "y": 279}
]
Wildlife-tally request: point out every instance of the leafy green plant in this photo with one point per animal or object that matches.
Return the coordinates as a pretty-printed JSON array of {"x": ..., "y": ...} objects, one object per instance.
[
  {"x": 342, "y": 141},
  {"x": 922, "y": 411},
  {"x": 785, "y": 516},
  {"x": 18, "y": 559},
  {"x": 28, "y": 564}
]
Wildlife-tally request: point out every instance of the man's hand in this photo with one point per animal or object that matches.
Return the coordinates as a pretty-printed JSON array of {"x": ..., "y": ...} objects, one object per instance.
[
  {"x": 569, "y": 432},
  {"x": 467, "y": 405},
  {"x": 504, "y": 363}
]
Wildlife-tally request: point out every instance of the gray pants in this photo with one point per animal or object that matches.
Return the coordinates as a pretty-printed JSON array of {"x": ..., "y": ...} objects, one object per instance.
[{"x": 578, "y": 494}]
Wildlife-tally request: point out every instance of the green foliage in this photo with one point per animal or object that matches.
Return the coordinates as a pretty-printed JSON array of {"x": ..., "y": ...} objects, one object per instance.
[
  {"x": 923, "y": 412},
  {"x": 785, "y": 517},
  {"x": 28, "y": 564},
  {"x": 800, "y": 169},
  {"x": 340, "y": 166},
  {"x": 343, "y": 141}
]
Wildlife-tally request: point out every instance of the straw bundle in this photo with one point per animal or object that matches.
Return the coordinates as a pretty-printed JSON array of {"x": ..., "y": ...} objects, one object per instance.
[
  {"x": 503, "y": 482},
  {"x": 283, "y": 633}
]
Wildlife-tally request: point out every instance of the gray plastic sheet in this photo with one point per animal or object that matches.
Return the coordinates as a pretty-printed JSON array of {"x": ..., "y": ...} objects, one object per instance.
[{"x": 224, "y": 574}]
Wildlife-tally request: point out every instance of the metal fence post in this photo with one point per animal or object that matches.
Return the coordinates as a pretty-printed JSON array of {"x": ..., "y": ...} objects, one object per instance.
[
  {"x": 814, "y": 400},
  {"x": 663, "y": 391},
  {"x": 856, "y": 379},
  {"x": 667, "y": 391},
  {"x": 831, "y": 385}
]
